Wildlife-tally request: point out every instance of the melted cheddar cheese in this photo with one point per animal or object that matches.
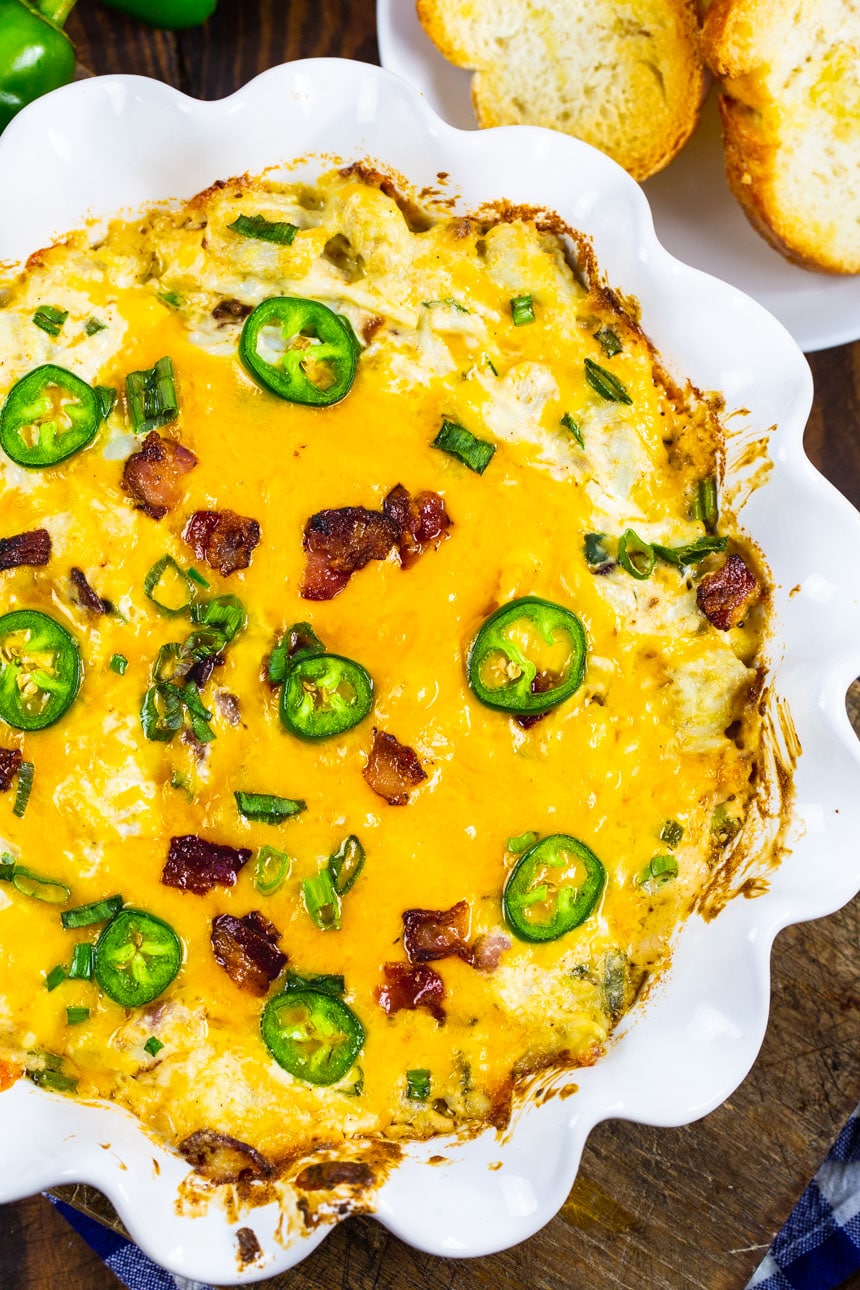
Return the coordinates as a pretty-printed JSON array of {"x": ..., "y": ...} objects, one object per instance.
[{"x": 662, "y": 727}]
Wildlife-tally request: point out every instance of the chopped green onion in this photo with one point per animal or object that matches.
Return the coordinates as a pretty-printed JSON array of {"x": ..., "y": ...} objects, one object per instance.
[
  {"x": 671, "y": 833},
  {"x": 597, "y": 555},
  {"x": 574, "y": 427},
  {"x": 300, "y": 641},
  {"x": 491, "y": 365},
  {"x": 180, "y": 781},
  {"x": 82, "y": 962},
  {"x": 118, "y": 664},
  {"x": 7, "y": 867},
  {"x": 226, "y": 613},
  {"x": 94, "y": 325},
  {"x": 705, "y": 504},
  {"x": 271, "y": 869},
  {"x": 614, "y": 983},
  {"x": 691, "y": 552},
  {"x": 459, "y": 442},
  {"x": 151, "y": 397},
  {"x": 724, "y": 825},
  {"x": 608, "y": 341},
  {"x": 204, "y": 643},
  {"x": 34, "y": 885},
  {"x": 346, "y": 864},
  {"x": 521, "y": 842},
  {"x": 161, "y": 715},
  {"x": 658, "y": 870},
  {"x": 267, "y": 808},
  {"x": 174, "y": 587},
  {"x": 100, "y": 911},
  {"x": 605, "y": 384},
  {"x": 325, "y": 983},
  {"x": 170, "y": 662},
  {"x": 170, "y": 298},
  {"x": 106, "y": 396},
  {"x": 522, "y": 310},
  {"x": 449, "y": 301},
  {"x": 322, "y": 901},
  {"x": 196, "y": 576},
  {"x": 153, "y": 1046},
  {"x": 50, "y": 319},
  {"x": 264, "y": 230},
  {"x": 54, "y": 1081},
  {"x": 74, "y": 1016},
  {"x": 635, "y": 555},
  {"x": 55, "y": 977},
  {"x": 418, "y": 1085},
  {"x": 200, "y": 716},
  {"x": 26, "y": 772}
]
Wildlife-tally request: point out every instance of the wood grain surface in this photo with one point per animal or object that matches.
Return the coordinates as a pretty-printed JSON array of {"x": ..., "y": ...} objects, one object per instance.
[{"x": 652, "y": 1209}]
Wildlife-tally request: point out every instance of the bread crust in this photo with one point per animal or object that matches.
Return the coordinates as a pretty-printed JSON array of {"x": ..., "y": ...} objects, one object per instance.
[
  {"x": 765, "y": 126},
  {"x": 640, "y": 69}
]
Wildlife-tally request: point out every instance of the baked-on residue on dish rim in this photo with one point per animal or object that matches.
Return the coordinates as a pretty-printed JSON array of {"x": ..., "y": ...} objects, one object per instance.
[{"x": 119, "y": 142}]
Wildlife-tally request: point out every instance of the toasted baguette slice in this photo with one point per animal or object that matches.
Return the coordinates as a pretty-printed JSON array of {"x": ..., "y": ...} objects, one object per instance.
[
  {"x": 790, "y": 74},
  {"x": 625, "y": 75}
]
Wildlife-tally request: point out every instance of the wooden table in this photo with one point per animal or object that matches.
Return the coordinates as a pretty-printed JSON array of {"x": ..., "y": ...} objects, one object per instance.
[{"x": 652, "y": 1209}]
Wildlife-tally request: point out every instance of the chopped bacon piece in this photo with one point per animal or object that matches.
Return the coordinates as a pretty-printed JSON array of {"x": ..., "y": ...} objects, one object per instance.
[
  {"x": 85, "y": 596},
  {"x": 335, "y": 1173},
  {"x": 430, "y": 934},
  {"x": 33, "y": 548},
  {"x": 410, "y": 987},
  {"x": 222, "y": 1159},
  {"x": 339, "y": 543},
  {"x": 725, "y": 596},
  {"x": 249, "y": 1247},
  {"x": 228, "y": 311},
  {"x": 202, "y": 668},
  {"x": 247, "y": 949},
  {"x": 488, "y": 950},
  {"x": 420, "y": 520},
  {"x": 371, "y": 327},
  {"x": 392, "y": 769},
  {"x": 153, "y": 476},
  {"x": 10, "y": 760},
  {"x": 193, "y": 864},
  {"x": 223, "y": 539},
  {"x": 228, "y": 706}
]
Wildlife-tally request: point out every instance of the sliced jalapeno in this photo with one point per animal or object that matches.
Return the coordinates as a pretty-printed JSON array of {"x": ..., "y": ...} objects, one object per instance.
[
  {"x": 346, "y": 864},
  {"x": 528, "y": 657},
  {"x": 312, "y": 1034},
  {"x": 635, "y": 555},
  {"x": 552, "y": 888},
  {"x": 300, "y": 350},
  {"x": 136, "y": 957},
  {"x": 48, "y": 415},
  {"x": 40, "y": 669},
  {"x": 325, "y": 695}
]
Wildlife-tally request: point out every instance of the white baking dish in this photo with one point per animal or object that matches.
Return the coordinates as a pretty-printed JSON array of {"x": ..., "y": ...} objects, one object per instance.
[{"x": 113, "y": 143}]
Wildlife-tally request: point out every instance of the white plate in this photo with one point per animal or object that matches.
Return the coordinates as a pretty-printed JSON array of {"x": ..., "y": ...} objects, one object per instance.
[
  {"x": 695, "y": 215},
  {"x": 116, "y": 142}
]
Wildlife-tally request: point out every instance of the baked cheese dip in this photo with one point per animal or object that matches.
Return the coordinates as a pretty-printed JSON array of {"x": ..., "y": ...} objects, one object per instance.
[{"x": 379, "y": 680}]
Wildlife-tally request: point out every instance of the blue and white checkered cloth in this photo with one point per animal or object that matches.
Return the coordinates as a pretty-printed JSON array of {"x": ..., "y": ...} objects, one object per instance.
[{"x": 817, "y": 1249}]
